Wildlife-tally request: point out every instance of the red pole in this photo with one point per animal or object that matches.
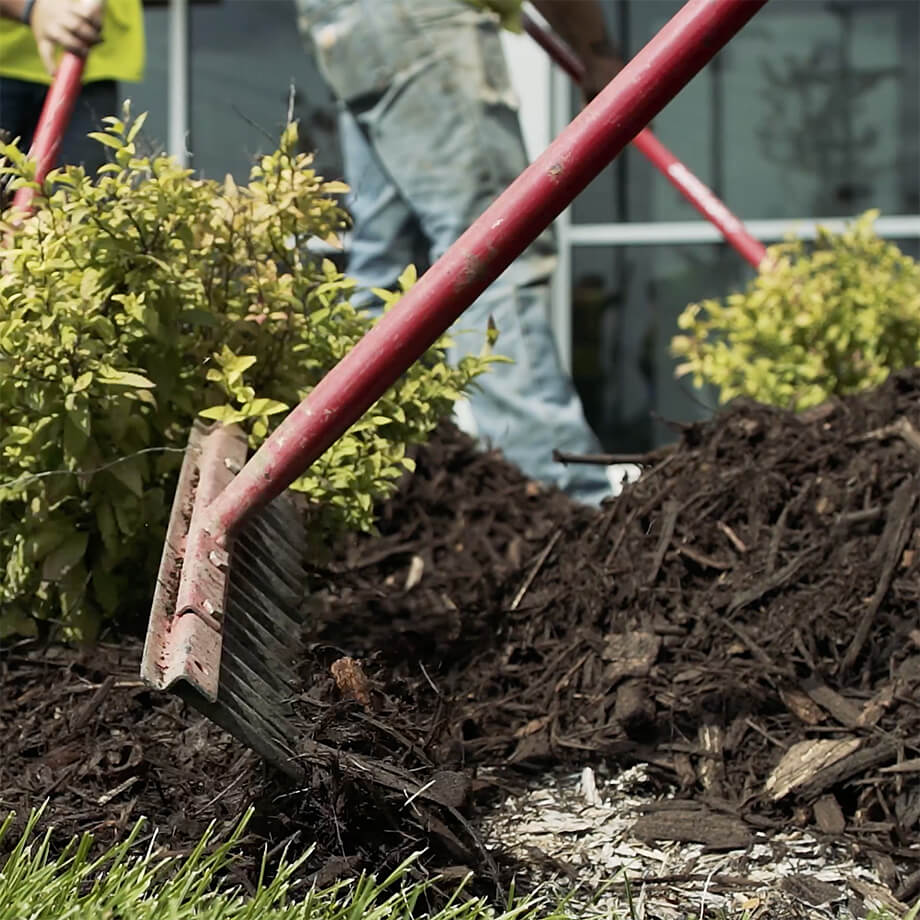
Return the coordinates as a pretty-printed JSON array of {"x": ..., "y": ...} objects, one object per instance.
[
  {"x": 701, "y": 197},
  {"x": 52, "y": 123},
  {"x": 603, "y": 128},
  {"x": 692, "y": 188}
]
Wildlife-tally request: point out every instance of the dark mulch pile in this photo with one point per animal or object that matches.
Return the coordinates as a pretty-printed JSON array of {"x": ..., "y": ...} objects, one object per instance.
[
  {"x": 79, "y": 730},
  {"x": 750, "y": 603}
]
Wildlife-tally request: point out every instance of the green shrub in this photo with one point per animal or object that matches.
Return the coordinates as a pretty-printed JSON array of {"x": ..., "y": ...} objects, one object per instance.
[
  {"x": 822, "y": 320},
  {"x": 131, "y": 303}
]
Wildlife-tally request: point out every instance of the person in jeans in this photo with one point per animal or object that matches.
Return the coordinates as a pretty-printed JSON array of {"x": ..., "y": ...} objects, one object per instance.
[
  {"x": 430, "y": 137},
  {"x": 32, "y": 33}
]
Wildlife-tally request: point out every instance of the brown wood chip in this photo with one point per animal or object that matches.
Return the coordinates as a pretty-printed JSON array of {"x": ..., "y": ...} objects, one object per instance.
[
  {"x": 719, "y": 832},
  {"x": 829, "y": 815},
  {"x": 351, "y": 680},
  {"x": 630, "y": 654},
  {"x": 844, "y": 711},
  {"x": 802, "y": 706},
  {"x": 804, "y": 761}
]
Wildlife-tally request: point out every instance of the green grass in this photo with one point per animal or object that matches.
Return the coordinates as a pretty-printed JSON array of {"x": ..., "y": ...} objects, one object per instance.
[{"x": 131, "y": 884}]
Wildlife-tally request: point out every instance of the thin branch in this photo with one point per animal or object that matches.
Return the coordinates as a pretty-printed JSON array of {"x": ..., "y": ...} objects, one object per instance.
[{"x": 25, "y": 480}]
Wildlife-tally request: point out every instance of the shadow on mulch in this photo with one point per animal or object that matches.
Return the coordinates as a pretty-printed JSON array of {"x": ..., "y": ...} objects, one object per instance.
[{"x": 743, "y": 619}]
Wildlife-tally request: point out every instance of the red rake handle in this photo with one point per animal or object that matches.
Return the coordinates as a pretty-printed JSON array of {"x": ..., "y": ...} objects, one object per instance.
[
  {"x": 702, "y": 198},
  {"x": 693, "y": 189},
  {"x": 52, "y": 123},
  {"x": 603, "y": 128}
]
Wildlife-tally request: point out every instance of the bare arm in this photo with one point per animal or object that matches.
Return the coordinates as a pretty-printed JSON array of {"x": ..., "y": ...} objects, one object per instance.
[
  {"x": 56, "y": 24},
  {"x": 581, "y": 23}
]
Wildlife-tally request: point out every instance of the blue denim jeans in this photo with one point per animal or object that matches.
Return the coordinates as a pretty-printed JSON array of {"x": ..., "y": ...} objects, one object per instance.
[
  {"x": 430, "y": 137},
  {"x": 21, "y": 103}
]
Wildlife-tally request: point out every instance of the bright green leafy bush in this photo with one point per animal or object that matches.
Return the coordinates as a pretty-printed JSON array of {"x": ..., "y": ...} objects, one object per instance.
[
  {"x": 131, "y": 303},
  {"x": 822, "y": 320}
]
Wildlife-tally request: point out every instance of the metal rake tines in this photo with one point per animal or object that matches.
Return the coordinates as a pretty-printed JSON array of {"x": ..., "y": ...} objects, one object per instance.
[{"x": 262, "y": 638}]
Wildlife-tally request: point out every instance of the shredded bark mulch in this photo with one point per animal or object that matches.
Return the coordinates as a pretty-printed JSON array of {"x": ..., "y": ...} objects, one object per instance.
[{"x": 743, "y": 619}]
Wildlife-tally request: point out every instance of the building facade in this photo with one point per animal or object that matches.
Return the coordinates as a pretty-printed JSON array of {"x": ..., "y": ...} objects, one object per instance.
[{"x": 812, "y": 114}]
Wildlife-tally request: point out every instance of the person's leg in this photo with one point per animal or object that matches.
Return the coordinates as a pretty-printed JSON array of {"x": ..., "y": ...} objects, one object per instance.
[
  {"x": 96, "y": 100},
  {"x": 381, "y": 241},
  {"x": 20, "y": 100},
  {"x": 20, "y": 103},
  {"x": 447, "y": 133}
]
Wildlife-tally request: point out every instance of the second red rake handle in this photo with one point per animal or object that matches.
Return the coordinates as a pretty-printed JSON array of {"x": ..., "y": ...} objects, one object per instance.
[
  {"x": 603, "y": 128},
  {"x": 695, "y": 191},
  {"x": 52, "y": 123}
]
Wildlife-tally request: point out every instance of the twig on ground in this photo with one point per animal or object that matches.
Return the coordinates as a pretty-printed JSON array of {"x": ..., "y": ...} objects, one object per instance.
[
  {"x": 541, "y": 561},
  {"x": 900, "y": 428},
  {"x": 605, "y": 459}
]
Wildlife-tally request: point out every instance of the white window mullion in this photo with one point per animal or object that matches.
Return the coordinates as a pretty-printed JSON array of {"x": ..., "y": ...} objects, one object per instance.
[
  {"x": 653, "y": 233},
  {"x": 561, "y": 304},
  {"x": 178, "y": 85}
]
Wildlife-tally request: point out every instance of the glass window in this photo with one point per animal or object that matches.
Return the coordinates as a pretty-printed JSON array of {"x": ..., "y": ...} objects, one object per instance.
[
  {"x": 625, "y": 304},
  {"x": 246, "y": 57},
  {"x": 812, "y": 109},
  {"x": 151, "y": 95}
]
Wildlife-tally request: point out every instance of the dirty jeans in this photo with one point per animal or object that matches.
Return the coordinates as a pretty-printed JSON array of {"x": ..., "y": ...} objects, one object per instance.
[{"x": 430, "y": 136}]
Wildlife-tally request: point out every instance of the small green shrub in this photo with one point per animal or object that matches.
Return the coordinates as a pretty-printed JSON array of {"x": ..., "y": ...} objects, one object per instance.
[
  {"x": 820, "y": 321},
  {"x": 133, "y": 302}
]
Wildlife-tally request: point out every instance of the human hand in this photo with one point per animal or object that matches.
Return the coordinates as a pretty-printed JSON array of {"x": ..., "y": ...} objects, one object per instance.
[{"x": 75, "y": 27}]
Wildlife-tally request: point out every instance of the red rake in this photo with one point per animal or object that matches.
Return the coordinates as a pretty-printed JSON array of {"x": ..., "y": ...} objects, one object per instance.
[
  {"x": 692, "y": 188},
  {"x": 54, "y": 117},
  {"x": 52, "y": 123},
  {"x": 225, "y": 625}
]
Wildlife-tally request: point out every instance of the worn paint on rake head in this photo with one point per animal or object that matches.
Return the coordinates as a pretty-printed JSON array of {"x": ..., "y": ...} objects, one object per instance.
[{"x": 225, "y": 626}]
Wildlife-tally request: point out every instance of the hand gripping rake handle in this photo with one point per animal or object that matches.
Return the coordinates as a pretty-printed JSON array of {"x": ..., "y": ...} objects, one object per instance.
[
  {"x": 52, "y": 123},
  {"x": 695, "y": 191},
  {"x": 605, "y": 126}
]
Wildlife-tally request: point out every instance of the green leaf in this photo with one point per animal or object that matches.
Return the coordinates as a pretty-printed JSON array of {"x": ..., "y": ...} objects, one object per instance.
[
  {"x": 128, "y": 473},
  {"x": 408, "y": 278},
  {"x": 82, "y": 382},
  {"x": 76, "y": 436},
  {"x": 106, "y": 590},
  {"x": 111, "y": 377},
  {"x": 15, "y": 622},
  {"x": 17, "y": 434},
  {"x": 61, "y": 560},
  {"x": 265, "y": 407},
  {"x": 106, "y": 139},
  {"x": 136, "y": 126},
  {"x": 225, "y": 414},
  {"x": 108, "y": 526},
  {"x": 41, "y": 542},
  {"x": 200, "y": 318}
]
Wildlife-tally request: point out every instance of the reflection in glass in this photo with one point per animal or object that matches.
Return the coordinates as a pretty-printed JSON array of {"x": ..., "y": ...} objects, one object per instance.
[
  {"x": 813, "y": 109},
  {"x": 246, "y": 60},
  {"x": 150, "y": 96},
  {"x": 625, "y": 304}
]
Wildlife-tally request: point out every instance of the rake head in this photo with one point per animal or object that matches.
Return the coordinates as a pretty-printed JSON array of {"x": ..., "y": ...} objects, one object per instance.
[{"x": 225, "y": 628}]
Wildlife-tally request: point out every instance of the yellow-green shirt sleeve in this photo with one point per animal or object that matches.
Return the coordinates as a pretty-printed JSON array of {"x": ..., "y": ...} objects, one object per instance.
[{"x": 120, "y": 56}]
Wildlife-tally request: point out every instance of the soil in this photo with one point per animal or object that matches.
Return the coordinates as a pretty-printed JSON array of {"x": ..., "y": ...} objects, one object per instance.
[{"x": 742, "y": 620}]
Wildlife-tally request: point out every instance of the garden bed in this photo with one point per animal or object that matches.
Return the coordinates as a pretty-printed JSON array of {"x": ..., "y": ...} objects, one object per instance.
[{"x": 742, "y": 623}]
